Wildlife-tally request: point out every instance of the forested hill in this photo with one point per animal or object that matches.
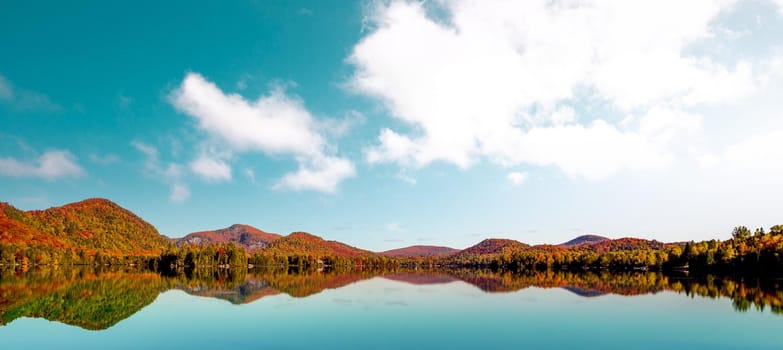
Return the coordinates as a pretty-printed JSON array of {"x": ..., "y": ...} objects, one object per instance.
[
  {"x": 584, "y": 239},
  {"x": 303, "y": 243},
  {"x": 419, "y": 250},
  {"x": 98, "y": 231},
  {"x": 90, "y": 226},
  {"x": 249, "y": 237}
]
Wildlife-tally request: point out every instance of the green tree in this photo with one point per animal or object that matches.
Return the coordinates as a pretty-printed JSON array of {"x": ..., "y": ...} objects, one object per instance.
[{"x": 740, "y": 233}]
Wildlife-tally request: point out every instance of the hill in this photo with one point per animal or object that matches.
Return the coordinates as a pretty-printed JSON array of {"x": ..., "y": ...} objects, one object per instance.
[
  {"x": 249, "y": 237},
  {"x": 621, "y": 244},
  {"x": 303, "y": 243},
  {"x": 494, "y": 246},
  {"x": 584, "y": 239},
  {"x": 91, "y": 225},
  {"x": 419, "y": 250}
]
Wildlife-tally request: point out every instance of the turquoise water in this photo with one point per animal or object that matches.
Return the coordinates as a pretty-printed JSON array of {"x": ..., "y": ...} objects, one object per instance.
[{"x": 415, "y": 312}]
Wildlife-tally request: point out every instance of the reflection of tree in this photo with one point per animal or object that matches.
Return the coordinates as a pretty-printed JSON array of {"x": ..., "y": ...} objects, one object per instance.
[
  {"x": 759, "y": 293},
  {"x": 87, "y": 299},
  {"x": 98, "y": 299}
]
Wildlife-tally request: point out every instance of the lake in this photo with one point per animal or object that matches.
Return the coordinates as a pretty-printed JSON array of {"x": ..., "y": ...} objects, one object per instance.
[{"x": 438, "y": 309}]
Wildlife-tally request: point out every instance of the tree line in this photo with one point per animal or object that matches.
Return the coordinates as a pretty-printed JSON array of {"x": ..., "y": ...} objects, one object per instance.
[{"x": 747, "y": 251}]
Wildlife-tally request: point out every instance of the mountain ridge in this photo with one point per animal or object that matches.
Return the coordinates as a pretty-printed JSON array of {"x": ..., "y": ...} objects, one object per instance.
[
  {"x": 419, "y": 250},
  {"x": 584, "y": 239},
  {"x": 249, "y": 237},
  {"x": 93, "y": 224},
  {"x": 98, "y": 224}
]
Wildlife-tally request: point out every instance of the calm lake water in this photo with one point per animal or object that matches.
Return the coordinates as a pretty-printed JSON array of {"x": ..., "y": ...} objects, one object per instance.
[{"x": 455, "y": 309}]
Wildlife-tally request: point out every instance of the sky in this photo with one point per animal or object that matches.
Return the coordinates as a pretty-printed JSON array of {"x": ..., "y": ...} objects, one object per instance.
[{"x": 391, "y": 123}]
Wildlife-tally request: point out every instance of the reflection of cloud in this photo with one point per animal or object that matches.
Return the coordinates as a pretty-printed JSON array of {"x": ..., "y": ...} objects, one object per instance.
[
  {"x": 396, "y": 303},
  {"x": 340, "y": 301}
]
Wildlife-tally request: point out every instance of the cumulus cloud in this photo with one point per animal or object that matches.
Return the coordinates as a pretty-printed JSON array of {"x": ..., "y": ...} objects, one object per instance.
[
  {"x": 495, "y": 79},
  {"x": 51, "y": 165},
  {"x": 517, "y": 178},
  {"x": 275, "y": 124},
  {"x": 211, "y": 169},
  {"x": 321, "y": 174}
]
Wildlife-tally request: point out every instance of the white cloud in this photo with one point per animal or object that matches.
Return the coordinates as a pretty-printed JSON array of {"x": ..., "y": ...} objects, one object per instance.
[
  {"x": 780, "y": 5},
  {"x": 517, "y": 178},
  {"x": 467, "y": 82},
  {"x": 393, "y": 147},
  {"x": 407, "y": 178},
  {"x": 51, "y": 165},
  {"x": 211, "y": 169},
  {"x": 179, "y": 193},
  {"x": 320, "y": 174},
  {"x": 757, "y": 153},
  {"x": 150, "y": 151},
  {"x": 274, "y": 124}
]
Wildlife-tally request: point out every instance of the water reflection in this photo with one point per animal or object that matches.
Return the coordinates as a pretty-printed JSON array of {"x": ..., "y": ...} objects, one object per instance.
[{"x": 98, "y": 298}]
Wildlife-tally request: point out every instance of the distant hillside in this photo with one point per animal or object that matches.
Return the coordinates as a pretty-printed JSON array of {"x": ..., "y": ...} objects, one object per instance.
[
  {"x": 249, "y": 237},
  {"x": 621, "y": 244},
  {"x": 584, "y": 239},
  {"x": 92, "y": 224},
  {"x": 306, "y": 244},
  {"x": 494, "y": 246},
  {"x": 419, "y": 250}
]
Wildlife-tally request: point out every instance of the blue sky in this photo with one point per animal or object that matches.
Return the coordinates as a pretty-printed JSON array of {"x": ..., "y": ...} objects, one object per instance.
[{"x": 385, "y": 124}]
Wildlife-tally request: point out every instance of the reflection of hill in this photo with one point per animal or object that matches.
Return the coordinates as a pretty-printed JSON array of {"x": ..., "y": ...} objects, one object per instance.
[
  {"x": 87, "y": 300},
  {"x": 313, "y": 282},
  {"x": 587, "y": 293},
  {"x": 237, "y": 288},
  {"x": 96, "y": 300},
  {"x": 246, "y": 287},
  {"x": 420, "y": 278},
  {"x": 627, "y": 283}
]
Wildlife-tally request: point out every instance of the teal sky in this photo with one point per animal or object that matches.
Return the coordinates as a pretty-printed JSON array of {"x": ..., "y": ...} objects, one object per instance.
[{"x": 385, "y": 124}]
